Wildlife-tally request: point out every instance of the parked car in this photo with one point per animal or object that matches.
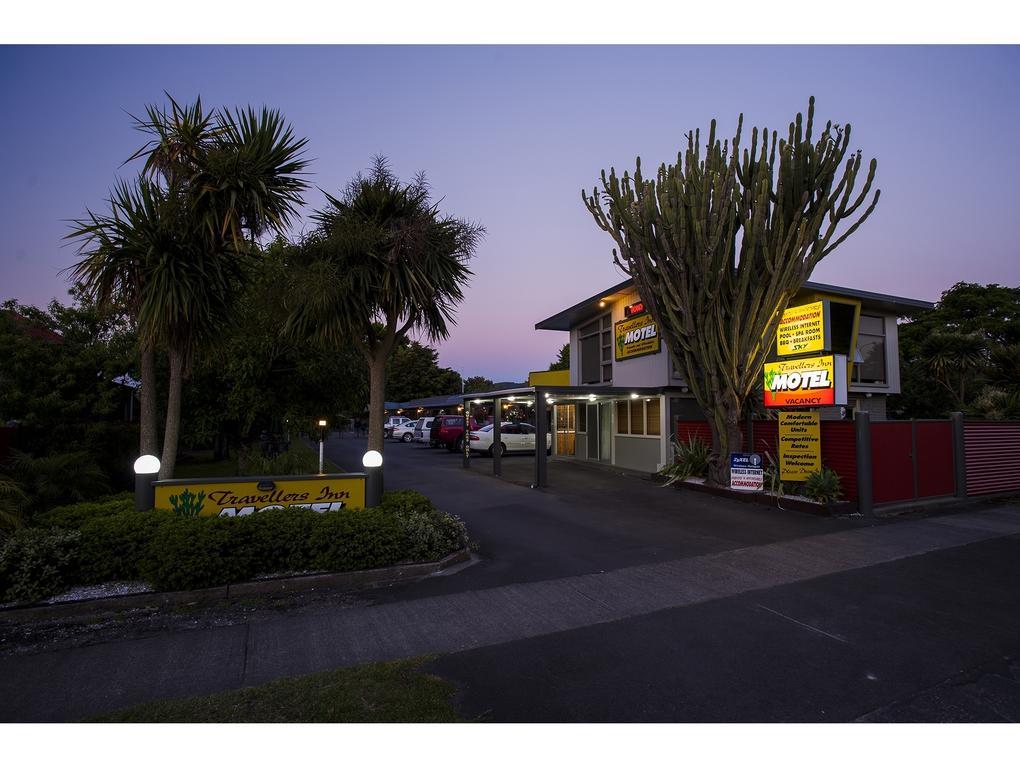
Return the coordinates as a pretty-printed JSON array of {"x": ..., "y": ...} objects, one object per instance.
[
  {"x": 393, "y": 421},
  {"x": 513, "y": 438},
  {"x": 422, "y": 429},
  {"x": 448, "y": 431},
  {"x": 404, "y": 432}
]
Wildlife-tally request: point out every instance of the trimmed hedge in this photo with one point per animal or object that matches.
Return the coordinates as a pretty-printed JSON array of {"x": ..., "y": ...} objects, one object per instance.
[
  {"x": 73, "y": 516},
  {"x": 111, "y": 542}
]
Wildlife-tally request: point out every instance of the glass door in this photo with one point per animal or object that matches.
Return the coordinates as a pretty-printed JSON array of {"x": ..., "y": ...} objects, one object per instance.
[{"x": 566, "y": 416}]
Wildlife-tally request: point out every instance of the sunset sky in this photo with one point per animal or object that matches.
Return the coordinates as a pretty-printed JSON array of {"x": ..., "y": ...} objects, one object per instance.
[{"x": 509, "y": 135}]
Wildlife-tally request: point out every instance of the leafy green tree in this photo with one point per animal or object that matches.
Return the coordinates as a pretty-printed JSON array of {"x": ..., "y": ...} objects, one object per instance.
[
  {"x": 256, "y": 378},
  {"x": 478, "y": 384},
  {"x": 175, "y": 244},
  {"x": 962, "y": 355},
  {"x": 719, "y": 243},
  {"x": 413, "y": 372},
  {"x": 562, "y": 361},
  {"x": 382, "y": 263}
]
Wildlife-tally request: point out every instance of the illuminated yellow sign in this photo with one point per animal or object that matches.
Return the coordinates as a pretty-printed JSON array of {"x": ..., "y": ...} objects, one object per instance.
[
  {"x": 806, "y": 382},
  {"x": 636, "y": 337},
  {"x": 800, "y": 444},
  {"x": 803, "y": 329},
  {"x": 232, "y": 497}
]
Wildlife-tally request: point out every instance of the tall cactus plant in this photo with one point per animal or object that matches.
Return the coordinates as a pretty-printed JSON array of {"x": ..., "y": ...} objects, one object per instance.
[{"x": 718, "y": 244}]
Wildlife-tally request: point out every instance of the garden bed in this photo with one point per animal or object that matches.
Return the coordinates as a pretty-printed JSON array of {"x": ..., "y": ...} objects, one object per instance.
[{"x": 796, "y": 503}]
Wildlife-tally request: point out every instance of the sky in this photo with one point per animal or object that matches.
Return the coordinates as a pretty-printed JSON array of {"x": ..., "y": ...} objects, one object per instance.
[{"x": 509, "y": 135}]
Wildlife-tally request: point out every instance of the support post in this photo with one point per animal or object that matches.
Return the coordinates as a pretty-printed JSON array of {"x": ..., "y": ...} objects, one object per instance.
[
  {"x": 541, "y": 429},
  {"x": 497, "y": 418},
  {"x": 467, "y": 434},
  {"x": 862, "y": 430},
  {"x": 145, "y": 493},
  {"x": 959, "y": 455}
]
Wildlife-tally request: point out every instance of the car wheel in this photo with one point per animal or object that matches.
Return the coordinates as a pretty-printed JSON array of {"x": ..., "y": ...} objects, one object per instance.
[
  {"x": 501, "y": 449},
  {"x": 458, "y": 447},
  {"x": 407, "y": 437}
]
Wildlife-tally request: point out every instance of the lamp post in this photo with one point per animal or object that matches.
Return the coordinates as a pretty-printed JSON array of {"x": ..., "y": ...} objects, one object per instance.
[
  {"x": 372, "y": 462},
  {"x": 322, "y": 439},
  {"x": 146, "y": 470}
]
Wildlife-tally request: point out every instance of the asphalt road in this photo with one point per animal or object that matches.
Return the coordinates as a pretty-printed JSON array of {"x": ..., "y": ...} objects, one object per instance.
[{"x": 930, "y": 638}]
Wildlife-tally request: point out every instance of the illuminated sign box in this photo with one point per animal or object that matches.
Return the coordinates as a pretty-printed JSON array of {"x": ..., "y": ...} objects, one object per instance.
[
  {"x": 804, "y": 329},
  {"x": 237, "y": 497},
  {"x": 636, "y": 337},
  {"x": 807, "y": 382}
]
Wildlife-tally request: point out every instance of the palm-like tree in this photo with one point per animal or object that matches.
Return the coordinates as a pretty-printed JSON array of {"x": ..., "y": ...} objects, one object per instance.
[
  {"x": 178, "y": 242},
  {"x": 381, "y": 263}
]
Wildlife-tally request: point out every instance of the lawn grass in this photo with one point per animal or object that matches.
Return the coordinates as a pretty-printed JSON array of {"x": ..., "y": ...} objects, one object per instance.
[{"x": 385, "y": 692}]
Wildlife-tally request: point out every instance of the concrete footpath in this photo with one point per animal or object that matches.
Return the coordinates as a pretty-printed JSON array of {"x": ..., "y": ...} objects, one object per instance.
[{"x": 74, "y": 684}]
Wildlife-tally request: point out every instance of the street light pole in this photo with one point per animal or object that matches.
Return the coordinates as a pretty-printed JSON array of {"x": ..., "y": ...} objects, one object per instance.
[{"x": 322, "y": 440}]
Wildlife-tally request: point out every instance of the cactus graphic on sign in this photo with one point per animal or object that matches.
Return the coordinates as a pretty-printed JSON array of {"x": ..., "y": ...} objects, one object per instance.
[{"x": 187, "y": 504}]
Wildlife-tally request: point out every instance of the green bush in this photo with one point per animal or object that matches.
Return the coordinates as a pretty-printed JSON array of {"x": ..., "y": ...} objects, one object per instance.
[
  {"x": 293, "y": 461},
  {"x": 823, "y": 486},
  {"x": 690, "y": 459},
  {"x": 73, "y": 516},
  {"x": 118, "y": 547},
  {"x": 428, "y": 533},
  {"x": 171, "y": 552},
  {"x": 36, "y": 563},
  {"x": 355, "y": 539}
]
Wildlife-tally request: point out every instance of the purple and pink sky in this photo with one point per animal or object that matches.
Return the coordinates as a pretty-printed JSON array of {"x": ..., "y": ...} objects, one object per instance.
[{"x": 508, "y": 136}]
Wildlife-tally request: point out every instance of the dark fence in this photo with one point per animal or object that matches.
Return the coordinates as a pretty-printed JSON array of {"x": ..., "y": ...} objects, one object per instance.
[{"x": 991, "y": 449}]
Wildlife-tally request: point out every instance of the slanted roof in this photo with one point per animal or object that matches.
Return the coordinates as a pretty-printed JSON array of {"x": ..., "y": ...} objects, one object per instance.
[{"x": 589, "y": 308}]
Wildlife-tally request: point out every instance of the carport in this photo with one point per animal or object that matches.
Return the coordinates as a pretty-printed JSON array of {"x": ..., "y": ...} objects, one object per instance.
[{"x": 585, "y": 424}]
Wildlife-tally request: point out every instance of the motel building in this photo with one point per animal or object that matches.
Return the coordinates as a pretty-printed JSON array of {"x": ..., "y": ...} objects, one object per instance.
[{"x": 624, "y": 393}]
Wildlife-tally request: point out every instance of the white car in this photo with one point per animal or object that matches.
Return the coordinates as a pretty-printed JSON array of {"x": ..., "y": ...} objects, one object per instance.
[
  {"x": 512, "y": 438},
  {"x": 422, "y": 429},
  {"x": 404, "y": 432},
  {"x": 392, "y": 422}
]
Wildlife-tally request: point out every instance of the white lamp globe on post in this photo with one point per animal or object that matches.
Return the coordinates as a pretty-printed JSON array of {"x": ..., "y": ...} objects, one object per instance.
[
  {"x": 146, "y": 471},
  {"x": 372, "y": 462}
]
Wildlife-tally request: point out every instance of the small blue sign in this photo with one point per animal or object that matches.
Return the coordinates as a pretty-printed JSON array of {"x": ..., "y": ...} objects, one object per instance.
[{"x": 745, "y": 461}]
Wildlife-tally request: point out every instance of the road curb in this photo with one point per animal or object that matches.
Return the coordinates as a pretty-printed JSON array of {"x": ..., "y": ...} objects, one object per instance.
[{"x": 347, "y": 579}]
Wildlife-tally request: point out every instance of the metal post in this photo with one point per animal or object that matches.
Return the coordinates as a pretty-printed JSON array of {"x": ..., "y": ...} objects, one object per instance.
[
  {"x": 862, "y": 429},
  {"x": 467, "y": 435},
  {"x": 320, "y": 453},
  {"x": 497, "y": 418},
  {"x": 959, "y": 455},
  {"x": 145, "y": 493},
  {"x": 541, "y": 427},
  {"x": 373, "y": 486}
]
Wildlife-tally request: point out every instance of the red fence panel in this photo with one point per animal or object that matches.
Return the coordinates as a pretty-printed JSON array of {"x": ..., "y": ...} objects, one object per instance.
[
  {"x": 892, "y": 461},
  {"x": 839, "y": 453},
  {"x": 839, "y": 445},
  {"x": 934, "y": 456},
  {"x": 991, "y": 449}
]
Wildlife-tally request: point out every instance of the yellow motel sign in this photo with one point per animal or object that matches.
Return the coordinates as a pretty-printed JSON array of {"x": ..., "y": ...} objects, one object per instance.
[{"x": 240, "y": 496}]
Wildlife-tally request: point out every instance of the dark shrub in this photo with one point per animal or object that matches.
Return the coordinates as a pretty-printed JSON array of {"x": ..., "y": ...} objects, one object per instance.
[
  {"x": 36, "y": 563},
  {"x": 73, "y": 516},
  {"x": 280, "y": 538},
  {"x": 355, "y": 539},
  {"x": 196, "y": 552},
  {"x": 118, "y": 547},
  {"x": 429, "y": 534}
]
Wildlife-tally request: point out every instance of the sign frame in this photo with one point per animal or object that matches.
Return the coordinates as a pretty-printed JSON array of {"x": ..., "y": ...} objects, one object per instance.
[
  {"x": 817, "y": 313},
  {"x": 833, "y": 395},
  {"x": 749, "y": 472},
  {"x": 262, "y": 492},
  {"x": 811, "y": 423},
  {"x": 641, "y": 316}
]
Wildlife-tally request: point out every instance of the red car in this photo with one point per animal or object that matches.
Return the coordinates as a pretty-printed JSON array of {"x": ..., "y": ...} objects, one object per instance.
[{"x": 449, "y": 431}]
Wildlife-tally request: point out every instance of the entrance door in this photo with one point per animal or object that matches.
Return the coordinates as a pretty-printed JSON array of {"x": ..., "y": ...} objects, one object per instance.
[
  {"x": 605, "y": 431},
  {"x": 566, "y": 416},
  {"x": 592, "y": 422}
]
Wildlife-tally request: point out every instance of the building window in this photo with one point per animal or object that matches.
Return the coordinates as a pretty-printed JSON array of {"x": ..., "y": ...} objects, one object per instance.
[
  {"x": 596, "y": 343},
  {"x": 638, "y": 417},
  {"x": 869, "y": 362}
]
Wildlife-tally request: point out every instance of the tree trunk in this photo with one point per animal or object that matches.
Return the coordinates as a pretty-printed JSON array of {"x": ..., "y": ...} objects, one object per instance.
[
  {"x": 172, "y": 431},
  {"x": 148, "y": 438},
  {"x": 726, "y": 439},
  {"x": 376, "y": 401}
]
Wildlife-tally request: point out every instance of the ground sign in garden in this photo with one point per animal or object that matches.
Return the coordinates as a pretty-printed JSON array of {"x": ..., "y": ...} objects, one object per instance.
[{"x": 237, "y": 497}]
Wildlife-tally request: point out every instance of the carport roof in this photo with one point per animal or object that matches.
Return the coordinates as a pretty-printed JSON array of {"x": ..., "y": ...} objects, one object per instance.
[{"x": 578, "y": 392}]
